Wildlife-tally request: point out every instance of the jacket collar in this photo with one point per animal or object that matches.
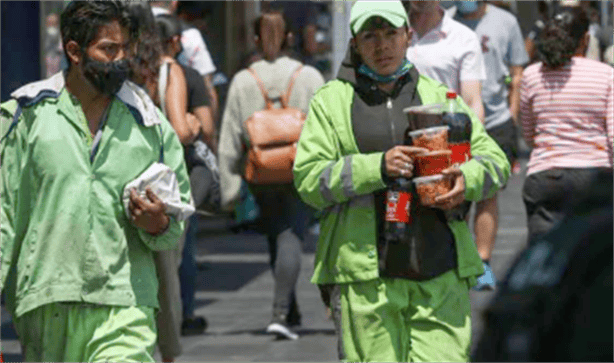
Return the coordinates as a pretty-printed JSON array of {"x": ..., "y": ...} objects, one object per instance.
[
  {"x": 367, "y": 88},
  {"x": 135, "y": 98}
]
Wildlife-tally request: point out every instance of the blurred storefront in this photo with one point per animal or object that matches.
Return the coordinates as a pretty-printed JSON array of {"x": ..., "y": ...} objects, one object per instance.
[
  {"x": 31, "y": 45},
  {"x": 20, "y": 45}
]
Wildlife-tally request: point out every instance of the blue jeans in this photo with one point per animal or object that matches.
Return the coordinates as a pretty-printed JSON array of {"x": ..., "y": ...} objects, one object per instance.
[{"x": 187, "y": 270}]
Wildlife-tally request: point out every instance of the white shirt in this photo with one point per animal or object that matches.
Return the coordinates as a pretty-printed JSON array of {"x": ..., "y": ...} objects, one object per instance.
[
  {"x": 195, "y": 53},
  {"x": 449, "y": 53}
]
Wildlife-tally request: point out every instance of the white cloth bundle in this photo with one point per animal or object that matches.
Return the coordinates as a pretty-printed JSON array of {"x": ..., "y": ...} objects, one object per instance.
[{"x": 163, "y": 182}]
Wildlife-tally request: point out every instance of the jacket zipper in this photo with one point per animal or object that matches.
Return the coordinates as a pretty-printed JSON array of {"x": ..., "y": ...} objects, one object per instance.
[{"x": 392, "y": 128}]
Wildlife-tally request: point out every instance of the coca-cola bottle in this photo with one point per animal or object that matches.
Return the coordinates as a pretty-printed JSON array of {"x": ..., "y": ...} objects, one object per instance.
[
  {"x": 398, "y": 210},
  {"x": 459, "y": 136}
]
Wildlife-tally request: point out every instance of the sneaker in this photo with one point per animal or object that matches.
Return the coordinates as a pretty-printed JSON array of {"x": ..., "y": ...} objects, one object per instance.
[
  {"x": 282, "y": 331},
  {"x": 488, "y": 281},
  {"x": 516, "y": 168},
  {"x": 194, "y": 326}
]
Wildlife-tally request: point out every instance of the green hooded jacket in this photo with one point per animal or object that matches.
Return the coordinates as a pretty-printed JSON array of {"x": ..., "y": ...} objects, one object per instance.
[
  {"x": 64, "y": 231},
  {"x": 333, "y": 176}
]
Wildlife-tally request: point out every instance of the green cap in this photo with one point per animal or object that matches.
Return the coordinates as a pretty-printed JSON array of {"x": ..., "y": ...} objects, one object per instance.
[{"x": 392, "y": 11}]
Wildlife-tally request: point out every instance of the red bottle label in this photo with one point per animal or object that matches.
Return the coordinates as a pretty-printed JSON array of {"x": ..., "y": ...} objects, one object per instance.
[
  {"x": 461, "y": 152},
  {"x": 398, "y": 206}
]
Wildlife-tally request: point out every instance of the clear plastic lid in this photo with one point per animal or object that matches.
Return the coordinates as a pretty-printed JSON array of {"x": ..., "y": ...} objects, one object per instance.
[
  {"x": 434, "y": 108},
  {"x": 429, "y": 179},
  {"x": 428, "y": 131}
]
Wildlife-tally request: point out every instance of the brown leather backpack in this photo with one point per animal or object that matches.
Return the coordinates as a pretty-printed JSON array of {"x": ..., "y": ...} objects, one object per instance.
[{"x": 273, "y": 134}]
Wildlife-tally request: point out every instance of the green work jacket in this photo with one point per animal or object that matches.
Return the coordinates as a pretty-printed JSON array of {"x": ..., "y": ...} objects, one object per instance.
[
  {"x": 333, "y": 176},
  {"x": 64, "y": 231}
]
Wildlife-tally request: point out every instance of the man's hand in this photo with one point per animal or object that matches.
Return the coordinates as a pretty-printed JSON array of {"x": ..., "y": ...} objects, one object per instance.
[
  {"x": 456, "y": 196},
  {"x": 400, "y": 160},
  {"x": 148, "y": 214}
]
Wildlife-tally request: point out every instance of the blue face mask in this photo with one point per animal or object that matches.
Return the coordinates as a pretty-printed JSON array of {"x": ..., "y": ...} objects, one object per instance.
[
  {"x": 403, "y": 70},
  {"x": 466, "y": 7}
]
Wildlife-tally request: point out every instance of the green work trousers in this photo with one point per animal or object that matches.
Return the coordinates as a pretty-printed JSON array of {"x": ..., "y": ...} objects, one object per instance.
[
  {"x": 76, "y": 332},
  {"x": 400, "y": 320}
]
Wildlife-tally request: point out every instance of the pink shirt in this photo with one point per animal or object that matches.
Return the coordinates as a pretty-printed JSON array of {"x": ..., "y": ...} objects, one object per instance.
[{"x": 566, "y": 115}]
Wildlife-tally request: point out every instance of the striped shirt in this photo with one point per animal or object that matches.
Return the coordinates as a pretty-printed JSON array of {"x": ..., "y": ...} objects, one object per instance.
[{"x": 566, "y": 115}]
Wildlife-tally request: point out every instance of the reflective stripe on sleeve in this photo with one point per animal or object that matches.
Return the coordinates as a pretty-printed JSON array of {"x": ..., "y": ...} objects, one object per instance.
[
  {"x": 325, "y": 190},
  {"x": 346, "y": 178}
]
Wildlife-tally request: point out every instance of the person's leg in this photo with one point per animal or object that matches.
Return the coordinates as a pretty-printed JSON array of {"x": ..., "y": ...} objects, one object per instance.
[
  {"x": 188, "y": 270},
  {"x": 44, "y": 336},
  {"x": 286, "y": 271},
  {"x": 294, "y": 316},
  {"x": 126, "y": 334},
  {"x": 76, "y": 332},
  {"x": 373, "y": 320},
  {"x": 549, "y": 193},
  {"x": 440, "y": 319},
  {"x": 486, "y": 220},
  {"x": 486, "y": 225},
  {"x": 169, "y": 296},
  {"x": 539, "y": 217},
  {"x": 331, "y": 297}
]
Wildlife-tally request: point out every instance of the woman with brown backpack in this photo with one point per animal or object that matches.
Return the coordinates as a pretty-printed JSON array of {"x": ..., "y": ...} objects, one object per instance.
[{"x": 257, "y": 145}]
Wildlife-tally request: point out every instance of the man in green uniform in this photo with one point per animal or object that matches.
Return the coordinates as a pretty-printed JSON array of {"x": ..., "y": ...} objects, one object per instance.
[
  {"x": 350, "y": 151},
  {"x": 78, "y": 274}
]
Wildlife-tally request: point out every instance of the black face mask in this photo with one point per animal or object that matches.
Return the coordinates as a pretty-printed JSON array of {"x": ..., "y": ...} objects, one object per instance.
[{"x": 107, "y": 77}]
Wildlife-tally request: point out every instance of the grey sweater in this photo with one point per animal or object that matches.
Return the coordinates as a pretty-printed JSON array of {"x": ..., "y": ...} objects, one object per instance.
[{"x": 245, "y": 98}]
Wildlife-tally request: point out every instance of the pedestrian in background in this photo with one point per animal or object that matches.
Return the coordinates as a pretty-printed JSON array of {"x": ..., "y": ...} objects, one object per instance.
[
  {"x": 450, "y": 52},
  {"x": 447, "y": 51},
  {"x": 284, "y": 217},
  {"x": 197, "y": 109},
  {"x": 543, "y": 10},
  {"x": 567, "y": 118},
  {"x": 347, "y": 157},
  {"x": 78, "y": 272},
  {"x": 180, "y": 92},
  {"x": 194, "y": 53},
  {"x": 504, "y": 57}
]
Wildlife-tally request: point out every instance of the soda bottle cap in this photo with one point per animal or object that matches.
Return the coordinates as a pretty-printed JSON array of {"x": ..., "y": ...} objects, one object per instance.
[{"x": 451, "y": 95}]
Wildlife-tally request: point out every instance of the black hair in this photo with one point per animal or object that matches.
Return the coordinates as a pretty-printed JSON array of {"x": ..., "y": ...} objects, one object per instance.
[
  {"x": 168, "y": 26},
  {"x": 562, "y": 36},
  {"x": 195, "y": 9},
  {"x": 81, "y": 20},
  {"x": 145, "y": 62}
]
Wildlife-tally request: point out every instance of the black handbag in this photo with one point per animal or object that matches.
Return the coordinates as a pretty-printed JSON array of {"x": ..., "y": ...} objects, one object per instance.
[{"x": 204, "y": 177}]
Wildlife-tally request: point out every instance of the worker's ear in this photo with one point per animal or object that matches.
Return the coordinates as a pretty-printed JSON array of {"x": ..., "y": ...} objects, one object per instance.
[{"x": 74, "y": 53}]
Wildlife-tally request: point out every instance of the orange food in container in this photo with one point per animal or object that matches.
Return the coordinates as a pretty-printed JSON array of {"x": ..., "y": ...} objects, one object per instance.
[
  {"x": 432, "y": 138},
  {"x": 430, "y": 187},
  {"x": 432, "y": 163}
]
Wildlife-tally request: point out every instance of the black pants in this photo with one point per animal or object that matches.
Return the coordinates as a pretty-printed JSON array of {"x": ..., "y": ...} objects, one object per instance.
[
  {"x": 506, "y": 137},
  {"x": 549, "y": 194}
]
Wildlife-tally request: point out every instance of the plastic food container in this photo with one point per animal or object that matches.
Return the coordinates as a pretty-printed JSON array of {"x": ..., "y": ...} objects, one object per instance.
[
  {"x": 432, "y": 163},
  {"x": 430, "y": 187},
  {"x": 432, "y": 138}
]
